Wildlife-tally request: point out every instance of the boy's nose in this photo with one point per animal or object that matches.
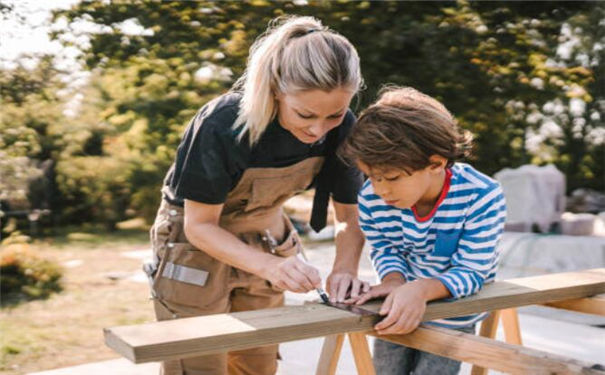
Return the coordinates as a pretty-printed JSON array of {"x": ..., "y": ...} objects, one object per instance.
[{"x": 380, "y": 189}]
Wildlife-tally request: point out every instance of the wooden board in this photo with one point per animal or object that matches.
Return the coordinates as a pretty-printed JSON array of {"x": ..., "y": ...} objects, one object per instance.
[
  {"x": 591, "y": 305},
  {"x": 489, "y": 353},
  {"x": 225, "y": 332}
]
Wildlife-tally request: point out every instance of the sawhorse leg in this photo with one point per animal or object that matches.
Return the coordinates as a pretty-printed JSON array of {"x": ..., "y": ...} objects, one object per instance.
[
  {"x": 489, "y": 327},
  {"x": 330, "y": 352},
  {"x": 331, "y": 349},
  {"x": 510, "y": 323},
  {"x": 332, "y": 346}
]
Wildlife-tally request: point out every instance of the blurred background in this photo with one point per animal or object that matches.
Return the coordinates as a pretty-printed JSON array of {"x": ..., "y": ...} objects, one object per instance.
[{"x": 95, "y": 96}]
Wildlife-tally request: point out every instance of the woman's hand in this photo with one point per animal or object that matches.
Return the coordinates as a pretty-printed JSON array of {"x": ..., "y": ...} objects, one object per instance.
[
  {"x": 343, "y": 285},
  {"x": 293, "y": 274}
]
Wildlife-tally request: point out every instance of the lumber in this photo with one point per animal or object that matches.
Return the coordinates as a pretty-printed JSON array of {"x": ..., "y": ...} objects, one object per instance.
[
  {"x": 489, "y": 353},
  {"x": 330, "y": 353},
  {"x": 361, "y": 353},
  {"x": 590, "y": 305},
  {"x": 210, "y": 334},
  {"x": 489, "y": 328},
  {"x": 510, "y": 325}
]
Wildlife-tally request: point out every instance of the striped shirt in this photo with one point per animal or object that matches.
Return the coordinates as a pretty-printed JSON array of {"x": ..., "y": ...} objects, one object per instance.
[{"x": 456, "y": 243}]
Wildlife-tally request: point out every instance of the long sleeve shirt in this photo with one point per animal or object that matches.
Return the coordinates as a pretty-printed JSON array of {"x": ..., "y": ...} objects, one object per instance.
[{"x": 456, "y": 243}]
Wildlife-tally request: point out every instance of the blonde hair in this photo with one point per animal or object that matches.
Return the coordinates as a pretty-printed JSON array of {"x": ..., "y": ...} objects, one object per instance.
[{"x": 294, "y": 54}]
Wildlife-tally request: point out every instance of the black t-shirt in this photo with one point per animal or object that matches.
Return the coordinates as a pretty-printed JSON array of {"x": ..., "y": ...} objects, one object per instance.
[{"x": 211, "y": 160}]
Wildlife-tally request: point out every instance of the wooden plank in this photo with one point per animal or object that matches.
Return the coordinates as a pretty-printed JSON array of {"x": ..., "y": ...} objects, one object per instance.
[
  {"x": 361, "y": 353},
  {"x": 591, "y": 305},
  {"x": 210, "y": 334},
  {"x": 489, "y": 328},
  {"x": 510, "y": 324},
  {"x": 522, "y": 292},
  {"x": 330, "y": 353},
  {"x": 490, "y": 353}
]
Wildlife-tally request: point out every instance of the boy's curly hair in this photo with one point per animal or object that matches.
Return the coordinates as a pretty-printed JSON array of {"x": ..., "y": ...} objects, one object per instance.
[{"x": 403, "y": 129}]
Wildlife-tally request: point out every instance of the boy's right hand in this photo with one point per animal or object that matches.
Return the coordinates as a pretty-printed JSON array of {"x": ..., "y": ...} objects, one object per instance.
[
  {"x": 389, "y": 283},
  {"x": 293, "y": 274}
]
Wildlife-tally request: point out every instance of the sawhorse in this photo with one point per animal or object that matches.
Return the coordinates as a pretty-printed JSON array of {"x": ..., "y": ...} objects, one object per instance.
[
  {"x": 219, "y": 333},
  {"x": 510, "y": 323}
]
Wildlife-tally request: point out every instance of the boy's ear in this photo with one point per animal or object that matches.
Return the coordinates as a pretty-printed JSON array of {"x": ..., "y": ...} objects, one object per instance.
[{"x": 437, "y": 163}]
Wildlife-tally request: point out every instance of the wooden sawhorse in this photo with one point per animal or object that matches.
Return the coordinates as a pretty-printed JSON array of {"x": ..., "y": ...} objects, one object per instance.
[
  {"x": 512, "y": 334},
  {"x": 219, "y": 333}
]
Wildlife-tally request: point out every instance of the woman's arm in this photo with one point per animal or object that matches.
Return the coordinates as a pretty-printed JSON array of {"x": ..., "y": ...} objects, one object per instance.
[
  {"x": 349, "y": 244},
  {"x": 202, "y": 230}
]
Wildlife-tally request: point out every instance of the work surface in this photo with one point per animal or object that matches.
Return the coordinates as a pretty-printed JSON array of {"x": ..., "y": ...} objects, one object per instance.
[{"x": 222, "y": 332}]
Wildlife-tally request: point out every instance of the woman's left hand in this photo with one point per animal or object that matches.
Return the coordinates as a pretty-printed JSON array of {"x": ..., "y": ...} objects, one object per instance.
[{"x": 343, "y": 285}]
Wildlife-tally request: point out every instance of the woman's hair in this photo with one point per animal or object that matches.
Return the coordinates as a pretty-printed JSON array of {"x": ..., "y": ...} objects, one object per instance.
[
  {"x": 403, "y": 129},
  {"x": 294, "y": 54}
]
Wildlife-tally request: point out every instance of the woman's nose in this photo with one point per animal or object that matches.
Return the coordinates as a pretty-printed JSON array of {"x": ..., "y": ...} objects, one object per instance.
[{"x": 318, "y": 129}]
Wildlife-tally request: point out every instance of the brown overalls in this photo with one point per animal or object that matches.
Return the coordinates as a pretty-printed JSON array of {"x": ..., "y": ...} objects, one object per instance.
[{"x": 188, "y": 282}]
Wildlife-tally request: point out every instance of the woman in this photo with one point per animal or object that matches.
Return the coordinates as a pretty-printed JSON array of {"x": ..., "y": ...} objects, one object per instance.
[{"x": 221, "y": 240}]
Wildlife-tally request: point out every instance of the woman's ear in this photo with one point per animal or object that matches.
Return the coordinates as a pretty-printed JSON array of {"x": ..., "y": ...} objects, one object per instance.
[{"x": 437, "y": 163}]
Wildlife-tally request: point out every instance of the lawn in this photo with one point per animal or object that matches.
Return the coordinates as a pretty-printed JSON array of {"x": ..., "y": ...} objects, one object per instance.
[{"x": 67, "y": 328}]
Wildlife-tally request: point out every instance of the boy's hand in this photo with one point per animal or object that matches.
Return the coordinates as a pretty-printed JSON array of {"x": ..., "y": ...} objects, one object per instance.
[
  {"x": 389, "y": 283},
  {"x": 404, "y": 308}
]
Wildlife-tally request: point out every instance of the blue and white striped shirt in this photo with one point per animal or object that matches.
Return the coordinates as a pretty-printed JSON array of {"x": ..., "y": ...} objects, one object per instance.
[{"x": 456, "y": 243}]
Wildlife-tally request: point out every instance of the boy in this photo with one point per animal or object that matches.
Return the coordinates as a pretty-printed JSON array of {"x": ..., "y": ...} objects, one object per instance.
[{"x": 433, "y": 224}]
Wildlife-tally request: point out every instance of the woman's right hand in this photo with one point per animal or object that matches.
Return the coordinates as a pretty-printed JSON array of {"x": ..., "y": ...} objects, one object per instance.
[{"x": 293, "y": 274}]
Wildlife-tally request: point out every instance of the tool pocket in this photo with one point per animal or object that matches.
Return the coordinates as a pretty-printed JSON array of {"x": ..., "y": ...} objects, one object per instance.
[
  {"x": 188, "y": 276},
  {"x": 290, "y": 246}
]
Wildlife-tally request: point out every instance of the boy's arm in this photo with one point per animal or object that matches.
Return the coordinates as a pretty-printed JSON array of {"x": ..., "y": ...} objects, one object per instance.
[{"x": 476, "y": 257}]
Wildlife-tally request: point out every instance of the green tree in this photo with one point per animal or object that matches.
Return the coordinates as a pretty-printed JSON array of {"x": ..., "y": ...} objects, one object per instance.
[{"x": 497, "y": 66}]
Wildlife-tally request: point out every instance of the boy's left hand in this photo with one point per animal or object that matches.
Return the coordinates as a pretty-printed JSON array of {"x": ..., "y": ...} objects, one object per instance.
[{"x": 404, "y": 308}]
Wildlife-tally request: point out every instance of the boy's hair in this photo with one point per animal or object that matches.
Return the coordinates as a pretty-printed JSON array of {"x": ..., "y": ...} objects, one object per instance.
[
  {"x": 403, "y": 129},
  {"x": 294, "y": 54}
]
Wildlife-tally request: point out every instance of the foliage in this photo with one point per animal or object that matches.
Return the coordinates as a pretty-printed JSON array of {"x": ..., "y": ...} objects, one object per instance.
[
  {"x": 25, "y": 274},
  {"x": 526, "y": 78}
]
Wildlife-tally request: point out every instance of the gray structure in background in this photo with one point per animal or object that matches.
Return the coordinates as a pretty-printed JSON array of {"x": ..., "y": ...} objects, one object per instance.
[{"x": 535, "y": 197}]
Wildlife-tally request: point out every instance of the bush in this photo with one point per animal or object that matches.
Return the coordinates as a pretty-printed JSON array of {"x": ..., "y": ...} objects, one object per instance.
[
  {"x": 24, "y": 275},
  {"x": 94, "y": 188}
]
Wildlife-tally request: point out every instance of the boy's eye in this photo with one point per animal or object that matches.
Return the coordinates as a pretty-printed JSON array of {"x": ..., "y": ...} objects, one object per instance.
[
  {"x": 335, "y": 116},
  {"x": 392, "y": 178}
]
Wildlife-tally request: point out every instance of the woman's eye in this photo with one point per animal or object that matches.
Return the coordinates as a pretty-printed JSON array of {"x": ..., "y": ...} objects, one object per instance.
[
  {"x": 392, "y": 178},
  {"x": 306, "y": 117}
]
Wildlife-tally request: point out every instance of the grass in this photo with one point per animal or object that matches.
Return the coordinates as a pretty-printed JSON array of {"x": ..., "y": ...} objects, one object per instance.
[
  {"x": 66, "y": 328},
  {"x": 93, "y": 237}
]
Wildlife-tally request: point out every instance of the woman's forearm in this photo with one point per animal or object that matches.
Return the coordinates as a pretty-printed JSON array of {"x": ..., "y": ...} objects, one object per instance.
[
  {"x": 349, "y": 244},
  {"x": 349, "y": 239}
]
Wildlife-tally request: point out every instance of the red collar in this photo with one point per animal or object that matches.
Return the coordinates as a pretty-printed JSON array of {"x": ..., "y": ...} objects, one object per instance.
[{"x": 444, "y": 190}]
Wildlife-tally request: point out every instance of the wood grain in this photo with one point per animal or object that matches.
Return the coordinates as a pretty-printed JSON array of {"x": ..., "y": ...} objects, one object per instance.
[
  {"x": 591, "y": 305},
  {"x": 489, "y": 353},
  {"x": 196, "y": 336}
]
